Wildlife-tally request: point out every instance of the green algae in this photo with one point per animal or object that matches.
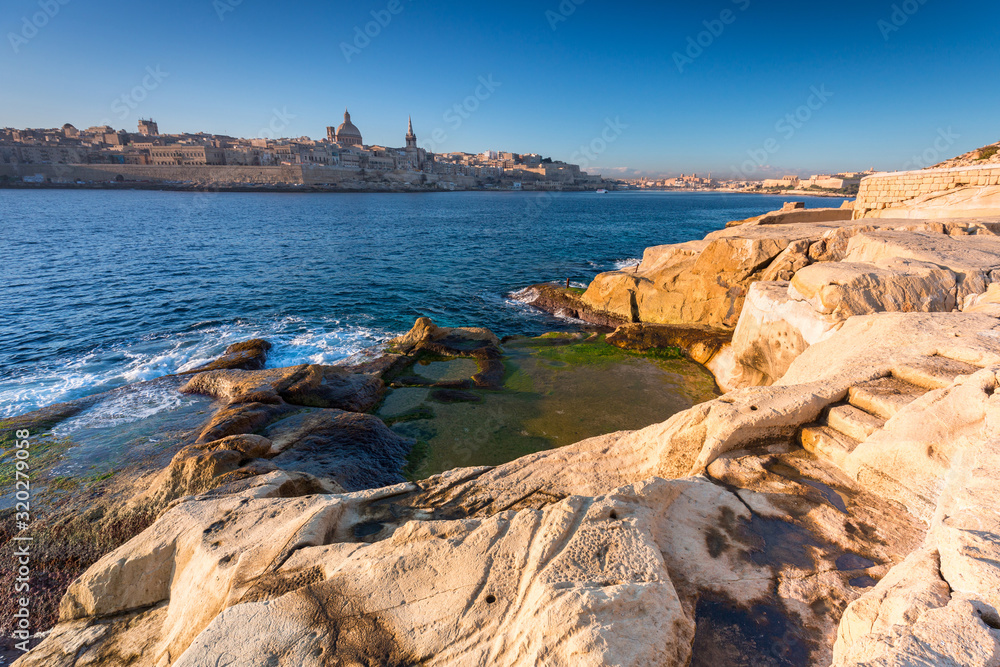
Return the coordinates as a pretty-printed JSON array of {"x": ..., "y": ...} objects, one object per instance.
[
  {"x": 452, "y": 370},
  {"x": 557, "y": 389},
  {"x": 44, "y": 452}
]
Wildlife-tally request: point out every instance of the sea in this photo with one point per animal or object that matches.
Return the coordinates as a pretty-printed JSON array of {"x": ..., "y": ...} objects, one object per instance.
[{"x": 100, "y": 288}]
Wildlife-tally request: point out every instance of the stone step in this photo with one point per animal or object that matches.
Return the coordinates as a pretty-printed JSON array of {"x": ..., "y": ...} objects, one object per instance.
[
  {"x": 853, "y": 422},
  {"x": 827, "y": 443},
  {"x": 934, "y": 372},
  {"x": 885, "y": 397}
]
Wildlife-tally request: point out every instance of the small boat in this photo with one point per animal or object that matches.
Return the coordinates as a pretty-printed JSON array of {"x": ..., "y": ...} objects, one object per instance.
[{"x": 602, "y": 191}]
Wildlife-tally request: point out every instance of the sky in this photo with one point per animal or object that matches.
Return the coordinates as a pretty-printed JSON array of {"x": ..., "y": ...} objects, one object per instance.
[{"x": 729, "y": 87}]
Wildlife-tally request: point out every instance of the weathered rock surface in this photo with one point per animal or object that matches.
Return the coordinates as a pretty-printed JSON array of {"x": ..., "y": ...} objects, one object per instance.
[
  {"x": 632, "y": 548},
  {"x": 477, "y": 343},
  {"x": 843, "y": 514},
  {"x": 700, "y": 282},
  {"x": 425, "y": 335},
  {"x": 701, "y": 343},
  {"x": 312, "y": 386},
  {"x": 563, "y": 302},
  {"x": 249, "y": 355},
  {"x": 302, "y": 421},
  {"x": 353, "y": 451}
]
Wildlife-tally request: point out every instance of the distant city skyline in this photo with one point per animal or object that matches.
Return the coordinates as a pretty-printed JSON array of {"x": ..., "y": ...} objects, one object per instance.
[{"x": 731, "y": 88}]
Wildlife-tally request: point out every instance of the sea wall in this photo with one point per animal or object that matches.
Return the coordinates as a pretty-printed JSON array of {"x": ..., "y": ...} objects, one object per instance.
[
  {"x": 235, "y": 175},
  {"x": 63, "y": 173},
  {"x": 960, "y": 192}
]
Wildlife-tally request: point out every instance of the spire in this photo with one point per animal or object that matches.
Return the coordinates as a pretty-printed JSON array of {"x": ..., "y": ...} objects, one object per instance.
[
  {"x": 347, "y": 116},
  {"x": 411, "y": 138}
]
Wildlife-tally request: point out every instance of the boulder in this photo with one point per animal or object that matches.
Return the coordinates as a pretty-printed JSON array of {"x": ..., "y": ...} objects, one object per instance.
[
  {"x": 701, "y": 283},
  {"x": 350, "y": 450},
  {"x": 307, "y": 385},
  {"x": 198, "y": 468},
  {"x": 701, "y": 343},
  {"x": 249, "y": 355},
  {"x": 460, "y": 341}
]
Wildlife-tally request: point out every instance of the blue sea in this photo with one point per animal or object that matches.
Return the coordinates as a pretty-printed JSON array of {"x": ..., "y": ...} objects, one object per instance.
[{"x": 105, "y": 288}]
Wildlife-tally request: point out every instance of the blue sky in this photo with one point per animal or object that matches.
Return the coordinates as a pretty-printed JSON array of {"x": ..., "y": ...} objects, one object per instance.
[{"x": 621, "y": 87}]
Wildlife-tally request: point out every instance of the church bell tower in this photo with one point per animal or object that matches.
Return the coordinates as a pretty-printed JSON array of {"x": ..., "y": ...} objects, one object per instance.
[{"x": 411, "y": 138}]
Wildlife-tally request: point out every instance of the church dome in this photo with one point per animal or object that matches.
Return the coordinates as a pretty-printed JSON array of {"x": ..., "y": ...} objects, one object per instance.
[{"x": 348, "y": 133}]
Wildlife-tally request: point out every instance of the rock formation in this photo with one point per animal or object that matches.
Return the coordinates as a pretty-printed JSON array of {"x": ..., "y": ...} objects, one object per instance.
[{"x": 837, "y": 507}]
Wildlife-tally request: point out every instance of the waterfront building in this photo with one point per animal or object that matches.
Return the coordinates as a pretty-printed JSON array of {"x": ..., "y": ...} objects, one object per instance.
[{"x": 187, "y": 155}]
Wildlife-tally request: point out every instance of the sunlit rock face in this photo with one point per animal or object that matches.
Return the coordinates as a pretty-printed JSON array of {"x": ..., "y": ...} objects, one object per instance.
[{"x": 836, "y": 507}]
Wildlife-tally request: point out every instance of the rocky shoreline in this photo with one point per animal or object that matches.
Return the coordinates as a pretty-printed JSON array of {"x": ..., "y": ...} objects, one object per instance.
[{"x": 834, "y": 507}]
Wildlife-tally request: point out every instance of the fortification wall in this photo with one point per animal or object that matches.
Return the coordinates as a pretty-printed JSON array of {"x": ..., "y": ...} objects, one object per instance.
[
  {"x": 67, "y": 173},
  {"x": 931, "y": 193}
]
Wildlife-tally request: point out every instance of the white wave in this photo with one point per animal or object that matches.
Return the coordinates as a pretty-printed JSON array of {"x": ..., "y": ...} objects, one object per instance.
[
  {"x": 626, "y": 263},
  {"x": 320, "y": 346},
  {"x": 128, "y": 405},
  {"x": 295, "y": 341}
]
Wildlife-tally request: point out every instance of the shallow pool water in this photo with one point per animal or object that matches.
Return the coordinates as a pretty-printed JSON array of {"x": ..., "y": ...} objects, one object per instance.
[{"x": 556, "y": 392}]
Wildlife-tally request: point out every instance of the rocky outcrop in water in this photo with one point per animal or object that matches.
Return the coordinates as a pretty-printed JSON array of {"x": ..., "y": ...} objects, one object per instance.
[{"x": 250, "y": 355}]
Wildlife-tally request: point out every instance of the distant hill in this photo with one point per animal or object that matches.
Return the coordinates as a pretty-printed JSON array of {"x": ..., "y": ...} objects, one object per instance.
[{"x": 987, "y": 155}]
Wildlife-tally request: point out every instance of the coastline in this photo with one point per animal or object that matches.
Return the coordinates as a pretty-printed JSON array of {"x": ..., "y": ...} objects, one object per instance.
[
  {"x": 292, "y": 188},
  {"x": 270, "y": 189},
  {"x": 795, "y": 510}
]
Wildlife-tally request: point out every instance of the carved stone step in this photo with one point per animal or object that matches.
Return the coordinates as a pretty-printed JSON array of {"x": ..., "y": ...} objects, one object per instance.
[
  {"x": 885, "y": 397},
  {"x": 826, "y": 443},
  {"x": 853, "y": 422},
  {"x": 934, "y": 372}
]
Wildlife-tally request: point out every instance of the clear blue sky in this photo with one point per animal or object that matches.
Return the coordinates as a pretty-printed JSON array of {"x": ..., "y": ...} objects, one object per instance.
[{"x": 894, "y": 92}]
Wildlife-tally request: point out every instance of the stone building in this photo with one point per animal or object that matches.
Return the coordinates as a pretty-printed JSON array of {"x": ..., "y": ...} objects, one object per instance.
[
  {"x": 148, "y": 128},
  {"x": 187, "y": 155},
  {"x": 347, "y": 134},
  {"x": 415, "y": 158}
]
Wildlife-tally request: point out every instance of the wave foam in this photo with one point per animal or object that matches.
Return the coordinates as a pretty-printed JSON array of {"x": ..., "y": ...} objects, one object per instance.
[
  {"x": 295, "y": 341},
  {"x": 128, "y": 405},
  {"x": 626, "y": 263}
]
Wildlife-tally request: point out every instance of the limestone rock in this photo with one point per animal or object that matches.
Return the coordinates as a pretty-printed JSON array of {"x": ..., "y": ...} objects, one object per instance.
[
  {"x": 351, "y": 450},
  {"x": 774, "y": 329},
  {"x": 333, "y": 387},
  {"x": 701, "y": 283},
  {"x": 843, "y": 515},
  {"x": 465, "y": 341},
  {"x": 197, "y": 468},
  {"x": 564, "y": 303},
  {"x": 307, "y": 385},
  {"x": 988, "y": 302},
  {"x": 249, "y": 355},
  {"x": 701, "y": 343},
  {"x": 845, "y": 289}
]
